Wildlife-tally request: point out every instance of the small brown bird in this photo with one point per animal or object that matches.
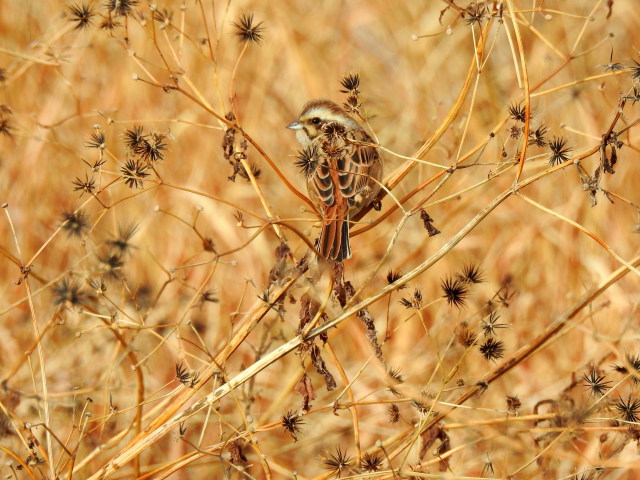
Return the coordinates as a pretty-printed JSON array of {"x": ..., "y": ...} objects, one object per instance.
[{"x": 342, "y": 169}]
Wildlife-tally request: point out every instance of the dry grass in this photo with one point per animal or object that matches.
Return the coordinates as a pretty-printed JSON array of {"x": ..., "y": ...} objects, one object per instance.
[{"x": 157, "y": 332}]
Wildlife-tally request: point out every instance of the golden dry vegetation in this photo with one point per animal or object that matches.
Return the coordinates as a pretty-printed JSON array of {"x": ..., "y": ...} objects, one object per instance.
[{"x": 163, "y": 314}]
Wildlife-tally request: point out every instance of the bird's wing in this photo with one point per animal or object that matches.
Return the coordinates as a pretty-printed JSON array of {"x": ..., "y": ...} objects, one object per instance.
[
  {"x": 355, "y": 168},
  {"x": 350, "y": 172},
  {"x": 323, "y": 184}
]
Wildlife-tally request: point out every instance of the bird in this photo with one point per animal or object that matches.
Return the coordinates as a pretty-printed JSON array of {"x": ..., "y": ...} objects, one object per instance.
[{"x": 343, "y": 169}]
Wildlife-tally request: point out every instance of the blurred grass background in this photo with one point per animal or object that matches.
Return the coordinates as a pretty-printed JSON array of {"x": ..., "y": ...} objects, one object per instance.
[{"x": 60, "y": 82}]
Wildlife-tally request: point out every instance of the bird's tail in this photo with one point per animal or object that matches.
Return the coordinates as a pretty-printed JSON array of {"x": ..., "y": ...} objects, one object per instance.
[{"x": 334, "y": 237}]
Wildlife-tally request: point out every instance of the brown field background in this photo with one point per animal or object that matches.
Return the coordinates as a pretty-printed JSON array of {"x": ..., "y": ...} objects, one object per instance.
[{"x": 84, "y": 377}]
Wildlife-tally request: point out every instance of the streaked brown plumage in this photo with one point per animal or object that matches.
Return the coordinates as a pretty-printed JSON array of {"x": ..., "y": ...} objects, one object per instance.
[{"x": 341, "y": 171}]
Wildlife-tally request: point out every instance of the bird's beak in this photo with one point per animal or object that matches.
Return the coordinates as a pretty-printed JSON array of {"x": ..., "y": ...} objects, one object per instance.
[{"x": 295, "y": 126}]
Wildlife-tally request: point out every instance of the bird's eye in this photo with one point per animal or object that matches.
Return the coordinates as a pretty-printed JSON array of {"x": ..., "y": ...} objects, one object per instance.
[{"x": 315, "y": 120}]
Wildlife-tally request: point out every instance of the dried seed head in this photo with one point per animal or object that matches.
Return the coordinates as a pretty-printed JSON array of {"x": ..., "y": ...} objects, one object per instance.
[
  {"x": 122, "y": 242},
  {"x": 370, "y": 463},
  {"x": 120, "y": 7},
  {"x": 470, "y": 274},
  {"x": 307, "y": 161},
  {"x": 87, "y": 185},
  {"x": 350, "y": 82},
  {"x": 133, "y": 173},
  {"x": 291, "y": 423},
  {"x": 559, "y": 151},
  {"x": 492, "y": 349},
  {"x": 465, "y": 335},
  {"x": 338, "y": 462},
  {"x": 134, "y": 138},
  {"x": 475, "y": 13},
  {"x": 537, "y": 136},
  {"x": 629, "y": 410},
  {"x": 513, "y": 404},
  {"x": 248, "y": 31},
  {"x": 596, "y": 382},
  {"x": 518, "y": 112},
  {"x": 97, "y": 140},
  {"x": 455, "y": 291},
  {"x": 81, "y": 15},
  {"x": 68, "y": 293},
  {"x": 76, "y": 223}
]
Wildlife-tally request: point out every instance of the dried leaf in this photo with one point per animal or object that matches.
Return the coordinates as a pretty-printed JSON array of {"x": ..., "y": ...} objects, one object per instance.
[
  {"x": 321, "y": 368},
  {"x": 428, "y": 225},
  {"x": 429, "y": 437},
  {"x": 338, "y": 283},
  {"x": 235, "y": 450},
  {"x": 305, "y": 389},
  {"x": 368, "y": 322},
  {"x": 279, "y": 270}
]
